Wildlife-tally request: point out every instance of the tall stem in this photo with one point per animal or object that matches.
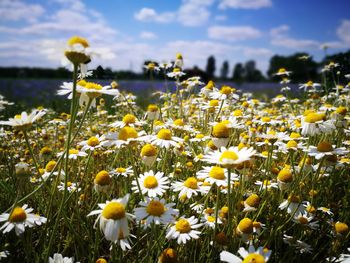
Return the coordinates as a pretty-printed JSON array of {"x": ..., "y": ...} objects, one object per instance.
[{"x": 68, "y": 143}]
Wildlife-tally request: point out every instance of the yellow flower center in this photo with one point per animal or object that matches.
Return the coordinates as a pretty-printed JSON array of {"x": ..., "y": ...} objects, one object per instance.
[
  {"x": 303, "y": 220},
  {"x": 199, "y": 136},
  {"x": 129, "y": 118},
  {"x": 164, "y": 134},
  {"x": 127, "y": 133},
  {"x": 210, "y": 85},
  {"x": 93, "y": 141},
  {"x": 103, "y": 178},
  {"x": 150, "y": 182},
  {"x": 282, "y": 70},
  {"x": 217, "y": 173},
  {"x": 155, "y": 208},
  {"x": 214, "y": 103},
  {"x": 152, "y": 108},
  {"x": 91, "y": 85},
  {"x": 265, "y": 119},
  {"x": 341, "y": 110},
  {"x": 324, "y": 147},
  {"x": 341, "y": 228},
  {"x": 314, "y": 117},
  {"x": 50, "y": 165},
  {"x": 293, "y": 199},
  {"x": 149, "y": 150},
  {"x": 45, "y": 150},
  {"x": 228, "y": 155},
  {"x": 73, "y": 151},
  {"x": 211, "y": 219},
  {"x": 178, "y": 56},
  {"x": 285, "y": 175},
  {"x": 114, "y": 210},
  {"x": 311, "y": 209},
  {"x": 211, "y": 145},
  {"x": 237, "y": 113},
  {"x": 191, "y": 182},
  {"x": 309, "y": 83},
  {"x": 78, "y": 40},
  {"x": 295, "y": 135},
  {"x": 226, "y": 90},
  {"x": 179, "y": 122},
  {"x": 246, "y": 226},
  {"x": 267, "y": 182},
  {"x": 151, "y": 65},
  {"x": 82, "y": 83},
  {"x": 253, "y": 200},
  {"x": 221, "y": 130},
  {"x": 120, "y": 170},
  {"x": 69, "y": 184},
  {"x": 254, "y": 258},
  {"x": 18, "y": 215},
  {"x": 183, "y": 226}
]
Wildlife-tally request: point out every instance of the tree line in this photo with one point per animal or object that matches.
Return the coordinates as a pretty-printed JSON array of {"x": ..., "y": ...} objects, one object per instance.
[{"x": 303, "y": 66}]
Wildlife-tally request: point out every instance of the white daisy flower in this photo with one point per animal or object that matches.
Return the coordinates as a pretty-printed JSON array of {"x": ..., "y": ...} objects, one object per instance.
[
  {"x": 71, "y": 187},
  {"x": 229, "y": 156},
  {"x": 19, "y": 219},
  {"x": 121, "y": 171},
  {"x": 58, "y": 258},
  {"x": 293, "y": 205},
  {"x": 191, "y": 186},
  {"x": 184, "y": 230},
  {"x": 74, "y": 154},
  {"x": 113, "y": 218},
  {"x": 282, "y": 72},
  {"x": 163, "y": 139},
  {"x": 155, "y": 211},
  {"x": 128, "y": 120},
  {"x": 325, "y": 149},
  {"x": 315, "y": 123},
  {"x": 92, "y": 143},
  {"x": 151, "y": 184},
  {"x": 251, "y": 255},
  {"x": 24, "y": 121},
  {"x": 124, "y": 241},
  {"x": 209, "y": 220},
  {"x": 216, "y": 175}
]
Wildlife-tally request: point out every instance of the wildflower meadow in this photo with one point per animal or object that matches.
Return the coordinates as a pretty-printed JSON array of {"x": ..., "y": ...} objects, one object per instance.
[{"x": 205, "y": 173}]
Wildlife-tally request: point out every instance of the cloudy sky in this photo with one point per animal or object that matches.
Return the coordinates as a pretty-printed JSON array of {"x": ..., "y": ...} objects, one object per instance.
[{"x": 125, "y": 33}]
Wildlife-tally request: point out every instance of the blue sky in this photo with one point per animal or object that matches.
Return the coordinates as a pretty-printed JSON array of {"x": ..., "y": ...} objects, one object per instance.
[{"x": 125, "y": 33}]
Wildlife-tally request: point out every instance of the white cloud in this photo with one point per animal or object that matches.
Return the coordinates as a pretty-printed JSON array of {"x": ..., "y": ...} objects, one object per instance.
[
  {"x": 245, "y": 4},
  {"x": 343, "y": 31},
  {"x": 220, "y": 18},
  {"x": 295, "y": 43},
  {"x": 279, "y": 31},
  {"x": 281, "y": 38},
  {"x": 233, "y": 33},
  {"x": 194, "y": 12},
  {"x": 190, "y": 13},
  {"x": 254, "y": 52},
  {"x": 150, "y": 15},
  {"x": 15, "y": 10},
  {"x": 148, "y": 35}
]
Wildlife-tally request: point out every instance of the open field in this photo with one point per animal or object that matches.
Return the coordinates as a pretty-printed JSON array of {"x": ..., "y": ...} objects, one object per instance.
[{"x": 197, "y": 172}]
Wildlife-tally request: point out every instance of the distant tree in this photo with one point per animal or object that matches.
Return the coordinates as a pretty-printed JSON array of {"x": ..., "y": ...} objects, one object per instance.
[
  {"x": 196, "y": 72},
  {"x": 210, "y": 68},
  {"x": 224, "y": 70},
  {"x": 302, "y": 69},
  {"x": 238, "y": 73},
  {"x": 99, "y": 72},
  {"x": 251, "y": 73}
]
